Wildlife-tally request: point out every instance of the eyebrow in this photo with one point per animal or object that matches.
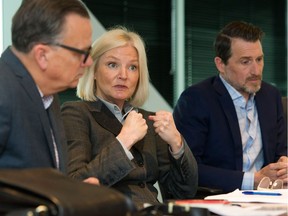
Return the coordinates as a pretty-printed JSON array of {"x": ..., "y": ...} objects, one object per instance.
[{"x": 115, "y": 58}]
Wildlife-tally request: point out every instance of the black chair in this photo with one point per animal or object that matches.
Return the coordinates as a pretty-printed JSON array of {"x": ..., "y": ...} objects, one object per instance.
[{"x": 203, "y": 192}]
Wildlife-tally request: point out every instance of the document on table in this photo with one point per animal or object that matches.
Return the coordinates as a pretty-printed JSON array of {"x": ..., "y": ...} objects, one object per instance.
[
  {"x": 277, "y": 196},
  {"x": 251, "y": 204}
]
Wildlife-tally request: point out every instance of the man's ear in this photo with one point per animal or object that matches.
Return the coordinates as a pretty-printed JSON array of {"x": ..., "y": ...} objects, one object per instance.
[
  {"x": 41, "y": 53},
  {"x": 219, "y": 64}
]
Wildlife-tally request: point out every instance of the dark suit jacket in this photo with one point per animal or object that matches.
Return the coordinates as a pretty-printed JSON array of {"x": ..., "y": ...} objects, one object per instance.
[
  {"x": 94, "y": 151},
  {"x": 206, "y": 116},
  {"x": 25, "y": 136}
]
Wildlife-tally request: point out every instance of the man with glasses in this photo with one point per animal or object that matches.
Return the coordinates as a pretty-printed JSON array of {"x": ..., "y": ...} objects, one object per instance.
[{"x": 51, "y": 42}]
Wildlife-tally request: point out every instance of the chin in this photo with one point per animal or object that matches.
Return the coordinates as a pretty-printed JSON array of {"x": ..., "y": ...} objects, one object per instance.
[
  {"x": 73, "y": 84},
  {"x": 253, "y": 90}
]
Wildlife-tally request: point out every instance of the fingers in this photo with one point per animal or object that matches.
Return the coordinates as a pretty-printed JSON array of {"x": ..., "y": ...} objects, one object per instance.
[
  {"x": 278, "y": 166},
  {"x": 92, "y": 180},
  {"x": 133, "y": 120},
  {"x": 283, "y": 159},
  {"x": 162, "y": 120},
  {"x": 133, "y": 130},
  {"x": 164, "y": 125},
  {"x": 275, "y": 170},
  {"x": 282, "y": 171},
  {"x": 161, "y": 126}
]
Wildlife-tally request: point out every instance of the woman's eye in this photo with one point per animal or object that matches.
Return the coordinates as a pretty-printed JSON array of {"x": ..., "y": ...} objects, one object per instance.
[
  {"x": 112, "y": 65},
  {"x": 133, "y": 67}
]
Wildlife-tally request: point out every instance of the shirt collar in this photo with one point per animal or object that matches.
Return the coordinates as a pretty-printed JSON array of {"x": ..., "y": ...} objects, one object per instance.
[
  {"x": 235, "y": 95},
  {"x": 47, "y": 100},
  {"x": 120, "y": 114}
]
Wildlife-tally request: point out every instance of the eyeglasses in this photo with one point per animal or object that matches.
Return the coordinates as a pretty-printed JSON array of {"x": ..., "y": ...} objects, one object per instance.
[
  {"x": 266, "y": 183},
  {"x": 86, "y": 53}
]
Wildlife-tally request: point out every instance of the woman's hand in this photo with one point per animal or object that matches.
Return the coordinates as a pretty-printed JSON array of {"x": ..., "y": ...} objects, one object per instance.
[
  {"x": 165, "y": 127},
  {"x": 133, "y": 130}
]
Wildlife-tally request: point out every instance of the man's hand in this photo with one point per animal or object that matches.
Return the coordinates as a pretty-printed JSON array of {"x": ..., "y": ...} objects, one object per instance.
[{"x": 278, "y": 170}]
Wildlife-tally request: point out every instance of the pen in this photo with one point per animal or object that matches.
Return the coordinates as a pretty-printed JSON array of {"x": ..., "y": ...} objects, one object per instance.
[{"x": 261, "y": 193}]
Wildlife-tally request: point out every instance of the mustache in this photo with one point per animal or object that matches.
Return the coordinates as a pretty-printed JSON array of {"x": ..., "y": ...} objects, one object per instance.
[{"x": 254, "y": 77}]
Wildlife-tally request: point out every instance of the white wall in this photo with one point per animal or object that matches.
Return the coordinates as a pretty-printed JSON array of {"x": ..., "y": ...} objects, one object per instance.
[
  {"x": 9, "y": 7},
  {"x": 1, "y": 26}
]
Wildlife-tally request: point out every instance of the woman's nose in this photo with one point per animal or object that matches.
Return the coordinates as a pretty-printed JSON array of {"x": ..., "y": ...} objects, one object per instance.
[{"x": 122, "y": 73}]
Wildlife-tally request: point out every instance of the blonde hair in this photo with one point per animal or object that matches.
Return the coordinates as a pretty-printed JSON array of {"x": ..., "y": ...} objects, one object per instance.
[{"x": 113, "y": 38}]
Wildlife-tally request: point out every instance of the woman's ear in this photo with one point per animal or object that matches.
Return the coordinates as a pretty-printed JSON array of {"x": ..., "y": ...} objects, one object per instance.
[{"x": 41, "y": 52}]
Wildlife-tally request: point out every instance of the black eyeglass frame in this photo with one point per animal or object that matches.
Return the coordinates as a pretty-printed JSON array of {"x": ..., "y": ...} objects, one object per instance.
[{"x": 86, "y": 53}]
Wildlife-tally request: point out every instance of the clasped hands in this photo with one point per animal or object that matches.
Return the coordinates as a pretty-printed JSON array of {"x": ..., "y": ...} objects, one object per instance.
[{"x": 274, "y": 171}]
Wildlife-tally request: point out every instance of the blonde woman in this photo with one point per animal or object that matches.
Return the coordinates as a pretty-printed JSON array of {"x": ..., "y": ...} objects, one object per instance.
[{"x": 112, "y": 139}]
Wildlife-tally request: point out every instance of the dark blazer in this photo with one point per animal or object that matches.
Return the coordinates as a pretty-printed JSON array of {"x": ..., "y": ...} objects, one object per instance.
[
  {"x": 94, "y": 151},
  {"x": 25, "y": 136},
  {"x": 206, "y": 116}
]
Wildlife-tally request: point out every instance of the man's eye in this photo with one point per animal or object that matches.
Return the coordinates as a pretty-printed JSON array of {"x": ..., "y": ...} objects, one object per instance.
[
  {"x": 259, "y": 60},
  {"x": 245, "y": 62}
]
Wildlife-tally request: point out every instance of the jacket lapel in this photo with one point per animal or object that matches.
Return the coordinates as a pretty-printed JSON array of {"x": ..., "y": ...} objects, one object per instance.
[
  {"x": 107, "y": 120},
  {"x": 230, "y": 113},
  {"x": 58, "y": 132},
  {"x": 34, "y": 94},
  {"x": 264, "y": 121},
  {"x": 104, "y": 117},
  {"x": 29, "y": 86}
]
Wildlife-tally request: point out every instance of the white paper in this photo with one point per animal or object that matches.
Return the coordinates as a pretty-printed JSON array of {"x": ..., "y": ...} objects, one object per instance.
[
  {"x": 251, "y": 205},
  {"x": 238, "y": 197},
  {"x": 229, "y": 210}
]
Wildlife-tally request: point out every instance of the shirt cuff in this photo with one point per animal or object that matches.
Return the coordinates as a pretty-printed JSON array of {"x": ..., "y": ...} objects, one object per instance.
[
  {"x": 178, "y": 154},
  {"x": 128, "y": 153},
  {"x": 248, "y": 181}
]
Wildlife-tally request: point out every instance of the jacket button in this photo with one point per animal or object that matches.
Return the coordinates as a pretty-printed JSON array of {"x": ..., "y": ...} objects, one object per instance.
[{"x": 141, "y": 185}]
